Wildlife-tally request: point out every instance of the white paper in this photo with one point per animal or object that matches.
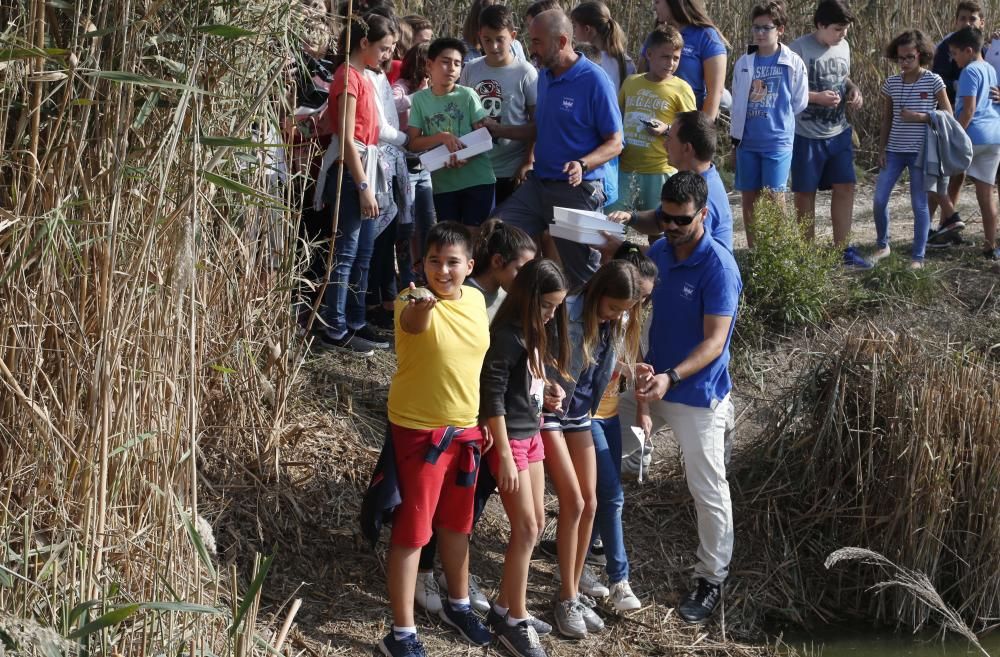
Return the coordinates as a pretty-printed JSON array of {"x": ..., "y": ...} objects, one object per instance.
[
  {"x": 476, "y": 142},
  {"x": 641, "y": 436}
]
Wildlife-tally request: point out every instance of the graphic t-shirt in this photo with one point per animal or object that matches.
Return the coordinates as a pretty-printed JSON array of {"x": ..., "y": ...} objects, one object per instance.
[
  {"x": 453, "y": 112},
  {"x": 976, "y": 81},
  {"x": 700, "y": 44},
  {"x": 770, "y": 126},
  {"x": 828, "y": 68},
  {"x": 992, "y": 55},
  {"x": 641, "y": 100},
  {"x": 437, "y": 376},
  {"x": 921, "y": 96},
  {"x": 506, "y": 93}
]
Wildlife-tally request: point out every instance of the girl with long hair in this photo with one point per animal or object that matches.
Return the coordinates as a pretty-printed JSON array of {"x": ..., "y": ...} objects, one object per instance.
[{"x": 593, "y": 24}]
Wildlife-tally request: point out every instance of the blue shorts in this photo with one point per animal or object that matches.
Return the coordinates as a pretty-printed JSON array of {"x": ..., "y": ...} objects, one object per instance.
[
  {"x": 470, "y": 206},
  {"x": 757, "y": 171},
  {"x": 822, "y": 163}
]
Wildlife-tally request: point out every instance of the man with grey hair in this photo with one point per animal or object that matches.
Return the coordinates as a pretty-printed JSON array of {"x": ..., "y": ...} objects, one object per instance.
[{"x": 578, "y": 130}]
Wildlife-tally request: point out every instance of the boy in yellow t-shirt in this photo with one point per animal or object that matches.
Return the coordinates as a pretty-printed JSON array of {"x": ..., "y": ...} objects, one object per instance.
[
  {"x": 649, "y": 102},
  {"x": 441, "y": 341}
]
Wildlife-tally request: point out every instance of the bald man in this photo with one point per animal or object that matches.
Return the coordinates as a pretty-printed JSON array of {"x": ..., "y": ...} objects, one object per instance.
[{"x": 578, "y": 130}]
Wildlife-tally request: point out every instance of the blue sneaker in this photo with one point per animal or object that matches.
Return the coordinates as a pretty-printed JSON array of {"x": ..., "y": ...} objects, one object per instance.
[
  {"x": 467, "y": 624},
  {"x": 408, "y": 646},
  {"x": 853, "y": 260}
]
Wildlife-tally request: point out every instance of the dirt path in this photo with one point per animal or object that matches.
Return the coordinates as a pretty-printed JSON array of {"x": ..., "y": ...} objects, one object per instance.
[{"x": 307, "y": 512}]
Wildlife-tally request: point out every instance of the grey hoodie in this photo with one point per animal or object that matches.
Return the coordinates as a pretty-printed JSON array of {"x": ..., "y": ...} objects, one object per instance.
[{"x": 946, "y": 151}]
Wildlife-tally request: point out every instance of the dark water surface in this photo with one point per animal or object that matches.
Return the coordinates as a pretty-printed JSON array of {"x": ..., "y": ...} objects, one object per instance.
[{"x": 872, "y": 643}]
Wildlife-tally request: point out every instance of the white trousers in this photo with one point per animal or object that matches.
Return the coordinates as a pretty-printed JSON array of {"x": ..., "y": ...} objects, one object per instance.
[{"x": 702, "y": 434}]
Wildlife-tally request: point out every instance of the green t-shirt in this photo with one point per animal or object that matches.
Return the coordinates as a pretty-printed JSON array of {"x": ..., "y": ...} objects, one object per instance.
[{"x": 453, "y": 112}]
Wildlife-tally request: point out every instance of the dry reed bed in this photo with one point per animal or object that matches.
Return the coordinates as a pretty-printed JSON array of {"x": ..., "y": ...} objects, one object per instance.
[
  {"x": 893, "y": 445},
  {"x": 146, "y": 264}
]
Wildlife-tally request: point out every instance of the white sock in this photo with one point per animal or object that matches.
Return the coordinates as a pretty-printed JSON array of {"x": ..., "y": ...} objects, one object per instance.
[
  {"x": 502, "y": 611},
  {"x": 459, "y": 603},
  {"x": 399, "y": 633},
  {"x": 514, "y": 622}
]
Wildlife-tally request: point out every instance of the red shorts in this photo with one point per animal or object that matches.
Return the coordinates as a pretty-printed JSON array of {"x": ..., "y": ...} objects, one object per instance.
[
  {"x": 525, "y": 451},
  {"x": 430, "y": 492}
]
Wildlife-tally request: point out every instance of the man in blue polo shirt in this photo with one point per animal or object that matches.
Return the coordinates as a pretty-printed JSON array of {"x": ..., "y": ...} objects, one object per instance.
[
  {"x": 578, "y": 130},
  {"x": 684, "y": 383},
  {"x": 691, "y": 143}
]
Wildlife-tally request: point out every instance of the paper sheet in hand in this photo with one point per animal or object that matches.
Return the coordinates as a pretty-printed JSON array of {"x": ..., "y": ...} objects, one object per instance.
[{"x": 476, "y": 142}]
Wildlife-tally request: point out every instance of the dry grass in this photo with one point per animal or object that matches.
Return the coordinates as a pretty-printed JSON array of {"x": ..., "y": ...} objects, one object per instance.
[{"x": 145, "y": 276}]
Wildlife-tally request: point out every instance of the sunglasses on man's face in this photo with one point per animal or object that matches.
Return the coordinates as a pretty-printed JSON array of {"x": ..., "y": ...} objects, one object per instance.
[{"x": 676, "y": 219}]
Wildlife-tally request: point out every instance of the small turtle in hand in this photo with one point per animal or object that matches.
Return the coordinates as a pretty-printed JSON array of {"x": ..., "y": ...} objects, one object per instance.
[{"x": 416, "y": 293}]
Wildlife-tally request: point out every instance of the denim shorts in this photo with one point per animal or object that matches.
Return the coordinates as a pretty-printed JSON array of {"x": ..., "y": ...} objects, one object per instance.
[
  {"x": 822, "y": 163},
  {"x": 757, "y": 171}
]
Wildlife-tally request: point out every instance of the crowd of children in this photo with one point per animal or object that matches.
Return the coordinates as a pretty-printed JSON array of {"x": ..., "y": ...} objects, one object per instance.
[{"x": 518, "y": 362}]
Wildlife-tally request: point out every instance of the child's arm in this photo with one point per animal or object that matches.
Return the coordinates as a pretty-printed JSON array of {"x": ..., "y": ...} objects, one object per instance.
[
  {"x": 883, "y": 129},
  {"x": 352, "y": 159},
  {"x": 415, "y": 317},
  {"x": 714, "y": 70},
  {"x": 420, "y": 142},
  {"x": 968, "y": 109},
  {"x": 854, "y": 98},
  {"x": 506, "y": 474}
]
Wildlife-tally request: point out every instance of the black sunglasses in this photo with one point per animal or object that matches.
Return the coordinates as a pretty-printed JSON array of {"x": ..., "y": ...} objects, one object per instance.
[{"x": 677, "y": 219}]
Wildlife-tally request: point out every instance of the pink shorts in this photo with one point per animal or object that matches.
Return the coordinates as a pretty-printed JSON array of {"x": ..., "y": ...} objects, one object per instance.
[{"x": 525, "y": 451}]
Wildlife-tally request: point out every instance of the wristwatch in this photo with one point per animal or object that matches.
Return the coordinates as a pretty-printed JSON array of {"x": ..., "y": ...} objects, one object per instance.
[
  {"x": 583, "y": 166},
  {"x": 362, "y": 186},
  {"x": 673, "y": 375}
]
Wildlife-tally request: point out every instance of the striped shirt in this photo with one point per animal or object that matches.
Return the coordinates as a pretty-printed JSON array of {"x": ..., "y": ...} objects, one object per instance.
[{"x": 921, "y": 96}]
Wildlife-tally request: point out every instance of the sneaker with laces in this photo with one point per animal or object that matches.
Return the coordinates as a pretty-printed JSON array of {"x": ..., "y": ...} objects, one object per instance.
[
  {"x": 521, "y": 639},
  {"x": 591, "y": 585},
  {"x": 350, "y": 343},
  {"x": 467, "y": 624},
  {"x": 569, "y": 619},
  {"x": 428, "y": 594},
  {"x": 494, "y": 620},
  {"x": 698, "y": 605},
  {"x": 853, "y": 260},
  {"x": 366, "y": 333},
  {"x": 408, "y": 646},
  {"x": 593, "y": 622},
  {"x": 880, "y": 254},
  {"x": 541, "y": 627},
  {"x": 479, "y": 601},
  {"x": 622, "y": 597}
]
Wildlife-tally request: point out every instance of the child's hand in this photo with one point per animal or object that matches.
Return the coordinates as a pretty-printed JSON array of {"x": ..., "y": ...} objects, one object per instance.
[
  {"x": 487, "y": 439},
  {"x": 507, "y": 480},
  {"x": 854, "y": 98},
  {"x": 995, "y": 94},
  {"x": 489, "y": 124},
  {"x": 455, "y": 163},
  {"x": 654, "y": 127},
  {"x": 553, "y": 396},
  {"x": 419, "y": 301},
  {"x": 909, "y": 116},
  {"x": 451, "y": 142},
  {"x": 828, "y": 98},
  {"x": 369, "y": 206},
  {"x": 881, "y": 160},
  {"x": 522, "y": 172}
]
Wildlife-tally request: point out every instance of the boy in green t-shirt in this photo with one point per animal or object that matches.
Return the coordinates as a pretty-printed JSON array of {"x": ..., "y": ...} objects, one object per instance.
[
  {"x": 649, "y": 101},
  {"x": 442, "y": 114}
]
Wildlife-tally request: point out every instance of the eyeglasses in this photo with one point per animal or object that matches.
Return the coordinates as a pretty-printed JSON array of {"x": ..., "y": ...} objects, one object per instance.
[
  {"x": 908, "y": 58},
  {"x": 762, "y": 29},
  {"x": 676, "y": 219}
]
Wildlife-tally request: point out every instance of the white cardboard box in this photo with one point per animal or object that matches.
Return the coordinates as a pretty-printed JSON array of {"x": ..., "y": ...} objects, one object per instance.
[
  {"x": 476, "y": 142},
  {"x": 578, "y": 235},
  {"x": 592, "y": 221}
]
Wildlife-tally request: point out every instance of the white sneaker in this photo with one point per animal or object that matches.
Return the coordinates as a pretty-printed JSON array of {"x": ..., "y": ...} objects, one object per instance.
[
  {"x": 622, "y": 598},
  {"x": 881, "y": 254},
  {"x": 477, "y": 600},
  {"x": 592, "y": 586},
  {"x": 427, "y": 594}
]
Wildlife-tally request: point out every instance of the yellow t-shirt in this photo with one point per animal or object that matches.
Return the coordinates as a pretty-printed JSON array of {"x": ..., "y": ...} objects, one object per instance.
[
  {"x": 437, "y": 375},
  {"x": 641, "y": 99},
  {"x": 608, "y": 406}
]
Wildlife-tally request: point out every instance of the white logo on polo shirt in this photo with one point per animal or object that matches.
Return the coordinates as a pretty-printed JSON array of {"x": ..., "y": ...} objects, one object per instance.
[
  {"x": 567, "y": 104},
  {"x": 687, "y": 291}
]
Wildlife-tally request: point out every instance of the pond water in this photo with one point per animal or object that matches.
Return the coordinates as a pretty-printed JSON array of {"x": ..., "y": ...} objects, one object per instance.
[{"x": 854, "y": 643}]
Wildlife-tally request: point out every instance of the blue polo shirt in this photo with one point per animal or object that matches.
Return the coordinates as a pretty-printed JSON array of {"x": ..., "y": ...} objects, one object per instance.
[
  {"x": 720, "y": 215},
  {"x": 574, "y": 114},
  {"x": 707, "y": 283}
]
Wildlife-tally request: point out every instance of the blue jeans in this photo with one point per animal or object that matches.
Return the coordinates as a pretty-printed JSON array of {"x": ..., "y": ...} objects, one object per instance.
[
  {"x": 610, "y": 496},
  {"x": 344, "y": 301},
  {"x": 423, "y": 208},
  {"x": 887, "y": 177}
]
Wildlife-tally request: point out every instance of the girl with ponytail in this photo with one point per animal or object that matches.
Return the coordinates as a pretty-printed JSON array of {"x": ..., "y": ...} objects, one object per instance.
[{"x": 593, "y": 24}]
